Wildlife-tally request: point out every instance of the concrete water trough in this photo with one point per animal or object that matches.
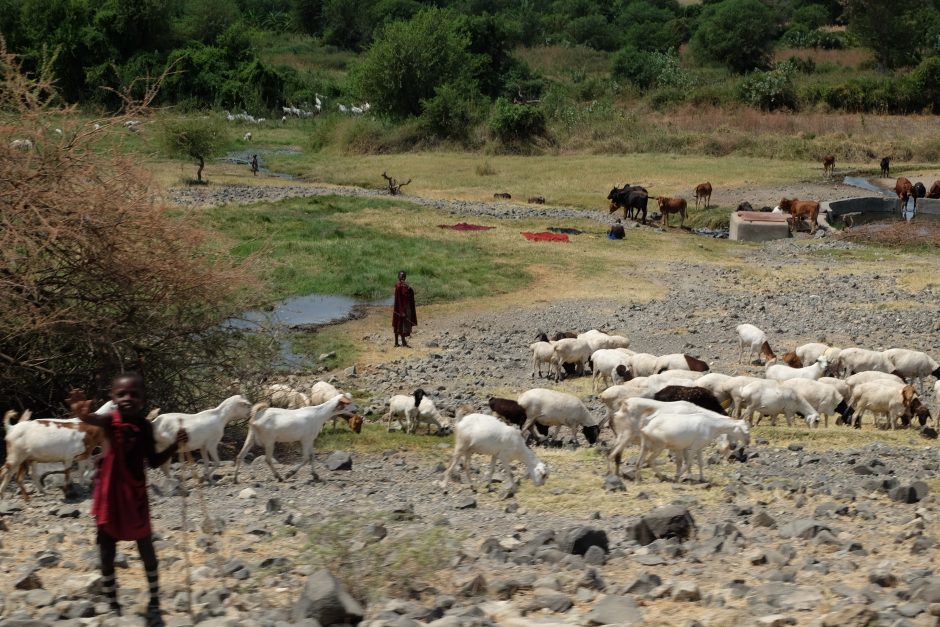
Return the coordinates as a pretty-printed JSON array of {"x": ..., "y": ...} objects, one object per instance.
[
  {"x": 758, "y": 226},
  {"x": 880, "y": 207}
]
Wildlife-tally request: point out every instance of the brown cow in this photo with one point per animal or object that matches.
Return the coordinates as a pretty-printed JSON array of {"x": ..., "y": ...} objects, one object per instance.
[
  {"x": 672, "y": 205},
  {"x": 902, "y": 187},
  {"x": 829, "y": 164},
  {"x": 934, "y": 190},
  {"x": 703, "y": 191},
  {"x": 885, "y": 167},
  {"x": 801, "y": 209}
]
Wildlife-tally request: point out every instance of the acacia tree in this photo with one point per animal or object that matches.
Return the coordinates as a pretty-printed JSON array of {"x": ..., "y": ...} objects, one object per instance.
[
  {"x": 198, "y": 138},
  {"x": 97, "y": 276}
]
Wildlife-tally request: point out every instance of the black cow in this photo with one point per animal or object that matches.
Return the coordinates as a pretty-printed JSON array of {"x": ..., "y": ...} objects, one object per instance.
[
  {"x": 629, "y": 198},
  {"x": 918, "y": 191}
]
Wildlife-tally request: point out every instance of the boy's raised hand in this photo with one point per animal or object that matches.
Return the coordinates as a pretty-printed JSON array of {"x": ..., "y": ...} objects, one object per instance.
[{"x": 77, "y": 403}]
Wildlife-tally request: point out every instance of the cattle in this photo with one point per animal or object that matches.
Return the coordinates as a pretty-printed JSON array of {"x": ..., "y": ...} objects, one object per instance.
[
  {"x": 703, "y": 191},
  {"x": 934, "y": 191},
  {"x": 903, "y": 188},
  {"x": 503, "y": 195},
  {"x": 829, "y": 164},
  {"x": 801, "y": 209},
  {"x": 629, "y": 198},
  {"x": 918, "y": 191},
  {"x": 672, "y": 205},
  {"x": 885, "y": 167}
]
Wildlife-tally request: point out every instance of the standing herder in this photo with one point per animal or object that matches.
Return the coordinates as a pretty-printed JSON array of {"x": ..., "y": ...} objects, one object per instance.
[
  {"x": 403, "y": 311},
  {"x": 254, "y": 165}
]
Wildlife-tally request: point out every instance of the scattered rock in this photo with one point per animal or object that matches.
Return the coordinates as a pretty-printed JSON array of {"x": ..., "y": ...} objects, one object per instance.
[
  {"x": 325, "y": 599},
  {"x": 669, "y": 521},
  {"x": 615, "y": 610},
  {"x": 339, "y": 460},
  {"x": 578, "y": 540}
]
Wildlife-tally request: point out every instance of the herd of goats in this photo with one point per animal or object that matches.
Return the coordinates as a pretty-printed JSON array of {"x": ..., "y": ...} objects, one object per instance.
[{"x": 658, "y": 402}]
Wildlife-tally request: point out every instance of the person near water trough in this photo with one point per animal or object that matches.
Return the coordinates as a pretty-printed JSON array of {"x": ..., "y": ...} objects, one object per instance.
[
  {"x": 119, "y": 499},
  {"x": 403, "y": 311},
  {"x": 254, "y": 165},
  {"x": 616, "y": 231}
]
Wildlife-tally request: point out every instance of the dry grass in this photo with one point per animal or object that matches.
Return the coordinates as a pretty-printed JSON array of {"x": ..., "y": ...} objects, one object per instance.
[
  {"x": 924, "y": 236},
  {"x": 559, "y": 62},
  {"x": 851, "y": 58}
]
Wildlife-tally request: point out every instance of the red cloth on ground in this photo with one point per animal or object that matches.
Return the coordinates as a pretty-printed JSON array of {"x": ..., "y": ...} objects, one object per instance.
[
  {"x": 404, "y": 315},
  {"x": 119, "y": 499},
  {"x": 546, "y": 237},
  {"x": 463, "y": 226}
]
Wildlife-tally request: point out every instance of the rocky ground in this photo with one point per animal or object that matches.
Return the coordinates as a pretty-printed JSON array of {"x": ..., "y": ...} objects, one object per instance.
[{"x": 810, "y": 532}]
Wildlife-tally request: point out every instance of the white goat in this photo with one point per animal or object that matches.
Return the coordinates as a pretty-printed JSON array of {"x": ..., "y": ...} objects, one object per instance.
[
  {"x": 205, "y": 430},
  {"x": 31, "y": 442},
  {"x": 751, "y": 336},
  {"x": 572, "y": 351},
  {"x": 852, "y": 360},
  {"x": 867, "y": 376},
  {"x": 558, "y": 409},
  {"x": 323, "y": 391},
  {"x": 914, "y": 365},
  {"x": 487, "y": 435},
  {"x": 686, "y": 435},
  {"x": 643, "y": 364},
  {"x": 824, "y": 398},
  {"x": 427, "y": 414},
  {"x": 840, "y": 385},
  {"x": 808, "y": 353},
  {"x": 269, "y": 425},
  {"x": 783, "y": 372},
  {"x": 768, "y": 397},
  {"x": 598, "y": 340},
  {"x": 680, "y": 361},
  {"x": 542, "y": 354},
  {"x": 889, "y": 399},
  {"x": 286, "y": 397},
  {"x": 22, "y": 144},
  {"x": 604, "y": 364},
  {"x": 247, "y": 136}
]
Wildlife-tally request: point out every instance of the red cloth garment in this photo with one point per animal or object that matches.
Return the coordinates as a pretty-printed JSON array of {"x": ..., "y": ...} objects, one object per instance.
[
  {"x": 404, "y": 315},
  {"x": 119, "y": 499},
  {"x": 463, "y": 226},
  {"x": 546, "y": 237}
]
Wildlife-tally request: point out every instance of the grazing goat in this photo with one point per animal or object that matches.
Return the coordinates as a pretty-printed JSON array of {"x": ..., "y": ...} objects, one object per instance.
[
  {"x": 686, "y": 435},
  {"x": 825, "y": 398},
  {"x": 643, "y": 364},
  {"x": 558, "y": 409},
  {"x": 205, "y": 430},
  {"x": 829, "y": 165},
  {"x": 770, "y": 398},
  {"x": 427, "y": 414},
  {"x": 598, "y": 339},
  {"x": 749, "y": 335},
  {"x": 536, "y": 200},
  {"x": 502, "y": 196},
  {"x": 890, "y": 399},
  {"x": 247, "y": 137},
  {"x": 570, "y": 350},
  {"x": 486, "y": 435},
  {"x": 853, "y": 360},
  {"x": 321, "y": 392},
  {"x": 782, "y": 372},
  {"x": 604, "y": 364},
  {"x": 696, "y": 395},
  {"x": 910, "y": 364},
  {"x": 703, "y": 191},
  {"x": 31, "y": 442},
  {"x": 404, "y": 408},
  {"x": 672, "y": 205},
  {"x": 808, "y": 353},
  {"x": 542, "y": 352},
  {"x": 680, "y": 361},
  {"x": 513, "y": 412},
  {"x": 792, "y": 359},
  {"x": 903, "y": 188},
  {"x": 801, "y": 210},
  {"x": 269, "y": 425}
]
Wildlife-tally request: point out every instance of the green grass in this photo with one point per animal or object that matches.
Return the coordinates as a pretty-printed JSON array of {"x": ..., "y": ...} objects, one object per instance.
[
  {"x": 316, "y": 342},
  {"x": 711, "y": 218},
  {"x": 314, "y": 245}
]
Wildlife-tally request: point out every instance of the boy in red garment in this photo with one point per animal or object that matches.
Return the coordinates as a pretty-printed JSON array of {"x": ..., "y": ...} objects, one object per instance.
[{"x": 119, "y": 501}]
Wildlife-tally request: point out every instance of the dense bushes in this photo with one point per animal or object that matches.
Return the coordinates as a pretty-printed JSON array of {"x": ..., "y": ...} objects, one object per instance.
[
  {"x": 772, "y": 89},
  {"x": 515, "y": 124},
  {"x": 650, "y": 69},
  {"x": 738, "y": 34}
]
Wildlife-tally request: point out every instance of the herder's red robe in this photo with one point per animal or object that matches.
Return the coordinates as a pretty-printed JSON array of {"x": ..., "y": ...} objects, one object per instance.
[
  {"x": 119, "y": 499},
  {"x": 404, "y": 315}
]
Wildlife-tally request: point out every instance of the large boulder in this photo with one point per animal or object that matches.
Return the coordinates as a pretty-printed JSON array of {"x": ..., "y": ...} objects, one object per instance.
[
  {"x": 326, "y": 600},
  {"x": 578, "y": 540},
  {"x": 669, "y": 521}
]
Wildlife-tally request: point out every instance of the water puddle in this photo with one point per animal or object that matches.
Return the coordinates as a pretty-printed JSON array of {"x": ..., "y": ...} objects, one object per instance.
[
  {"x": 863, "y": 183},
  {"x": 303, "y": 313},
  {"x": 243, "y": 157}
]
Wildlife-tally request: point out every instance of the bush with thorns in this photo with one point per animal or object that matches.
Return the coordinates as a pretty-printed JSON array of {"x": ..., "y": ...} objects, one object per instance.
[{"x": 97, "y": 274}]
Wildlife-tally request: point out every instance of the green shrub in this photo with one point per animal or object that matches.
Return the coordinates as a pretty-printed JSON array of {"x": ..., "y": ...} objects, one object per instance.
[
  {"x": 738, "y": 34},
  {"x": 651, "y": 69},
  {"x": 516, "y": 123},
  {"x": 770, "y": 90},
  {"x": 451, "y": 113}
]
